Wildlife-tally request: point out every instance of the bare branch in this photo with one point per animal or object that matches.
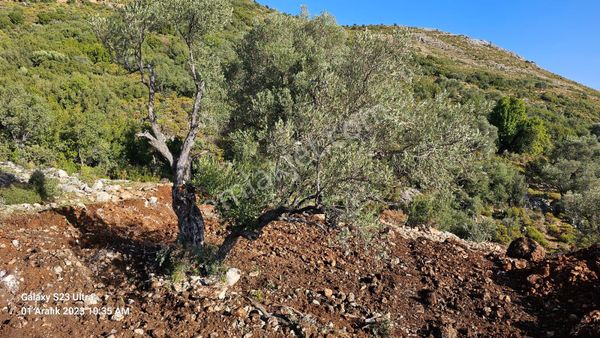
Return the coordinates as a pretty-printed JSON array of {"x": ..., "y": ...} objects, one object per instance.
[
  {"x": 157, "y": 139},
  {"x": 182, "y": 170},
  {"x": 161, "y": 147}
]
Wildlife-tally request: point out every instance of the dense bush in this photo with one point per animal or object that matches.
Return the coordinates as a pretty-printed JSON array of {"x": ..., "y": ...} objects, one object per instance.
[
  {"x": 574, "y": 165},
  {"x": 484, "y": 230},
  {"x": 46, "y": 188},
  {"x": 533, "y": 138},
  {"x": 497, "y": 182},
  {"x": 38, "y": 57},
  {"x": 24, "y": 119},
  {"x": 423, "y": 209},
  {"x": 16, "y": 16},
  {"x": 517, "y": 132},
  {"x": 583, "y": 209},
  {"x": 5, "y": 21},
  {"x": 45, "y": 18}
]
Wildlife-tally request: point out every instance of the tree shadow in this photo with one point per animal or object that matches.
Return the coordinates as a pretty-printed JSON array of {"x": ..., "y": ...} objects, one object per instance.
[
  {"x": 126, "y": 256},
  {"x": 252, "y": 233}
]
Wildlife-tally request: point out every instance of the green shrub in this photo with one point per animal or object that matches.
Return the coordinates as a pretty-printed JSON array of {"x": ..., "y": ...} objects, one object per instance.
[
  {"x": 257, "y": 295},
  {"x": 137, "y": 174},
  {"x": 574, "y": 164},
  {"x": 45, "y": 18},
  {"x": 535, "y": 234},
  {"x": 5, "y": 151},
  {"x": 481, "y": 231},
  {"x": 535, "y": 193},
  {"x": 19, "y": 195},
  {"x": 507, "y": 230},
  {"x": 568, "y": 237},
  {"x": 584, "y": 213},
  {"x": 38, "y": 57},
  {"x": 498, "y": 183},
  {"x": 382, "y": 329},
  {"x": 89, "y": 175},
  {"x": 508, "y": 116},
  {"x": 556, "y": 196},
  {"x": 96, "y": 53},
  {"x": 422, "y": 210},
  {"x": 46, "y": 188},
  {"x": 563, "y": 232},
  {"x": 533, "y": 138},
  {"x": 553, "y": 229},
  {"x": 5, "y": 22},
  {"x": 178, "y": 262},
  {"x": 179, "y": 272},
  {"x": 16, "y": 16},
  {"x": 595, "y": 130}
]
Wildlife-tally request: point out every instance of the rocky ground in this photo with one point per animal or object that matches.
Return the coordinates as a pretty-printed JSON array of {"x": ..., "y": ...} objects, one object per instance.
[
  {"x": 97, "y": 265},
  {"x": 72, "y": 190}
]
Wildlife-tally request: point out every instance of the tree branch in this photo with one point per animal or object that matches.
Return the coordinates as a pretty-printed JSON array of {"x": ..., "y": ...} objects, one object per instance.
[
  {"x": 157, "y": 139},
  {"x": 182, "y": 171}
]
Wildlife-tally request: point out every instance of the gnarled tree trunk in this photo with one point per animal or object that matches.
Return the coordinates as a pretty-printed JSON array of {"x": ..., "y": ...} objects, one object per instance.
[{"x": 189, "y": 217}]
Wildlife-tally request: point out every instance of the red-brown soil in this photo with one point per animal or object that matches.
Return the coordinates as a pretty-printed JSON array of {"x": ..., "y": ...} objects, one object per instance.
[{"x": 296, "y": 279}]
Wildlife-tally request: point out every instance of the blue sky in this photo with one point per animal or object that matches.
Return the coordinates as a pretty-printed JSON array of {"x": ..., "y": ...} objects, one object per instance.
[{"x": 562, "y": 36}]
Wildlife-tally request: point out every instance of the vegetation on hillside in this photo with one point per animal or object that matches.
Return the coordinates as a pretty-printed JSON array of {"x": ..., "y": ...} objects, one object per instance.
[{"x": 301, "y": 114}]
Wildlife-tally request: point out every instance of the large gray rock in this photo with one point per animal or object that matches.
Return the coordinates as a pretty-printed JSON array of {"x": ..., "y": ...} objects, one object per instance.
[
  {"x": 98, "y": 185},
  {"x": 103, "y": 197},
  {"x": 61, "y": 174}
]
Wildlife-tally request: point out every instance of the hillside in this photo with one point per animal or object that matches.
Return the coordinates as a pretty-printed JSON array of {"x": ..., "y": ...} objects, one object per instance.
[
  {"x": 214, "y": 168},
  {"x": 54, "y": 40},
  {"x": 485, "y": 66},
  {"x": 87, "y": 109},
  {"x": 469, "y": 67}
]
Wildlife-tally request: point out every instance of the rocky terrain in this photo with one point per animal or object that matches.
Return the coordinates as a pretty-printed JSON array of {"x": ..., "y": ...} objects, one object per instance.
[
  {"x": 72, "y": 190},
  {"x": 97, "y": 264}
]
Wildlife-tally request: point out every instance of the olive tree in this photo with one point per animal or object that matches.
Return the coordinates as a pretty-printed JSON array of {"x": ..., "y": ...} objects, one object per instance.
[
  {"x": 125, "y": 35},
  {"x": 583, "y": 209},
  {"x": 431, "y": 143},
  {"x": 573, "y": 165},
  {"x": 307, "y": 96},
  {"x": 326, "y": 123},
  {"x": 314, "y": 120}
]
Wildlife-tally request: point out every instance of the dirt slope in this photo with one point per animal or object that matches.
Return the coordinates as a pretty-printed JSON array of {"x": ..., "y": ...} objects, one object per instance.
[{"x": 296, "y": 280}]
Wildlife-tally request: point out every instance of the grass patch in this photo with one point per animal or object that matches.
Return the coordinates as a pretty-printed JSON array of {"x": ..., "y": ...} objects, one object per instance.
[
  {"x": 19, "y": 194},
  {"x": 536, "y": 235}
]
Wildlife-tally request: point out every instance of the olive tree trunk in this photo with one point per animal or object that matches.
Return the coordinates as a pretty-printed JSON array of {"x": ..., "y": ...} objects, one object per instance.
[{"x": 189, "y": 217}]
